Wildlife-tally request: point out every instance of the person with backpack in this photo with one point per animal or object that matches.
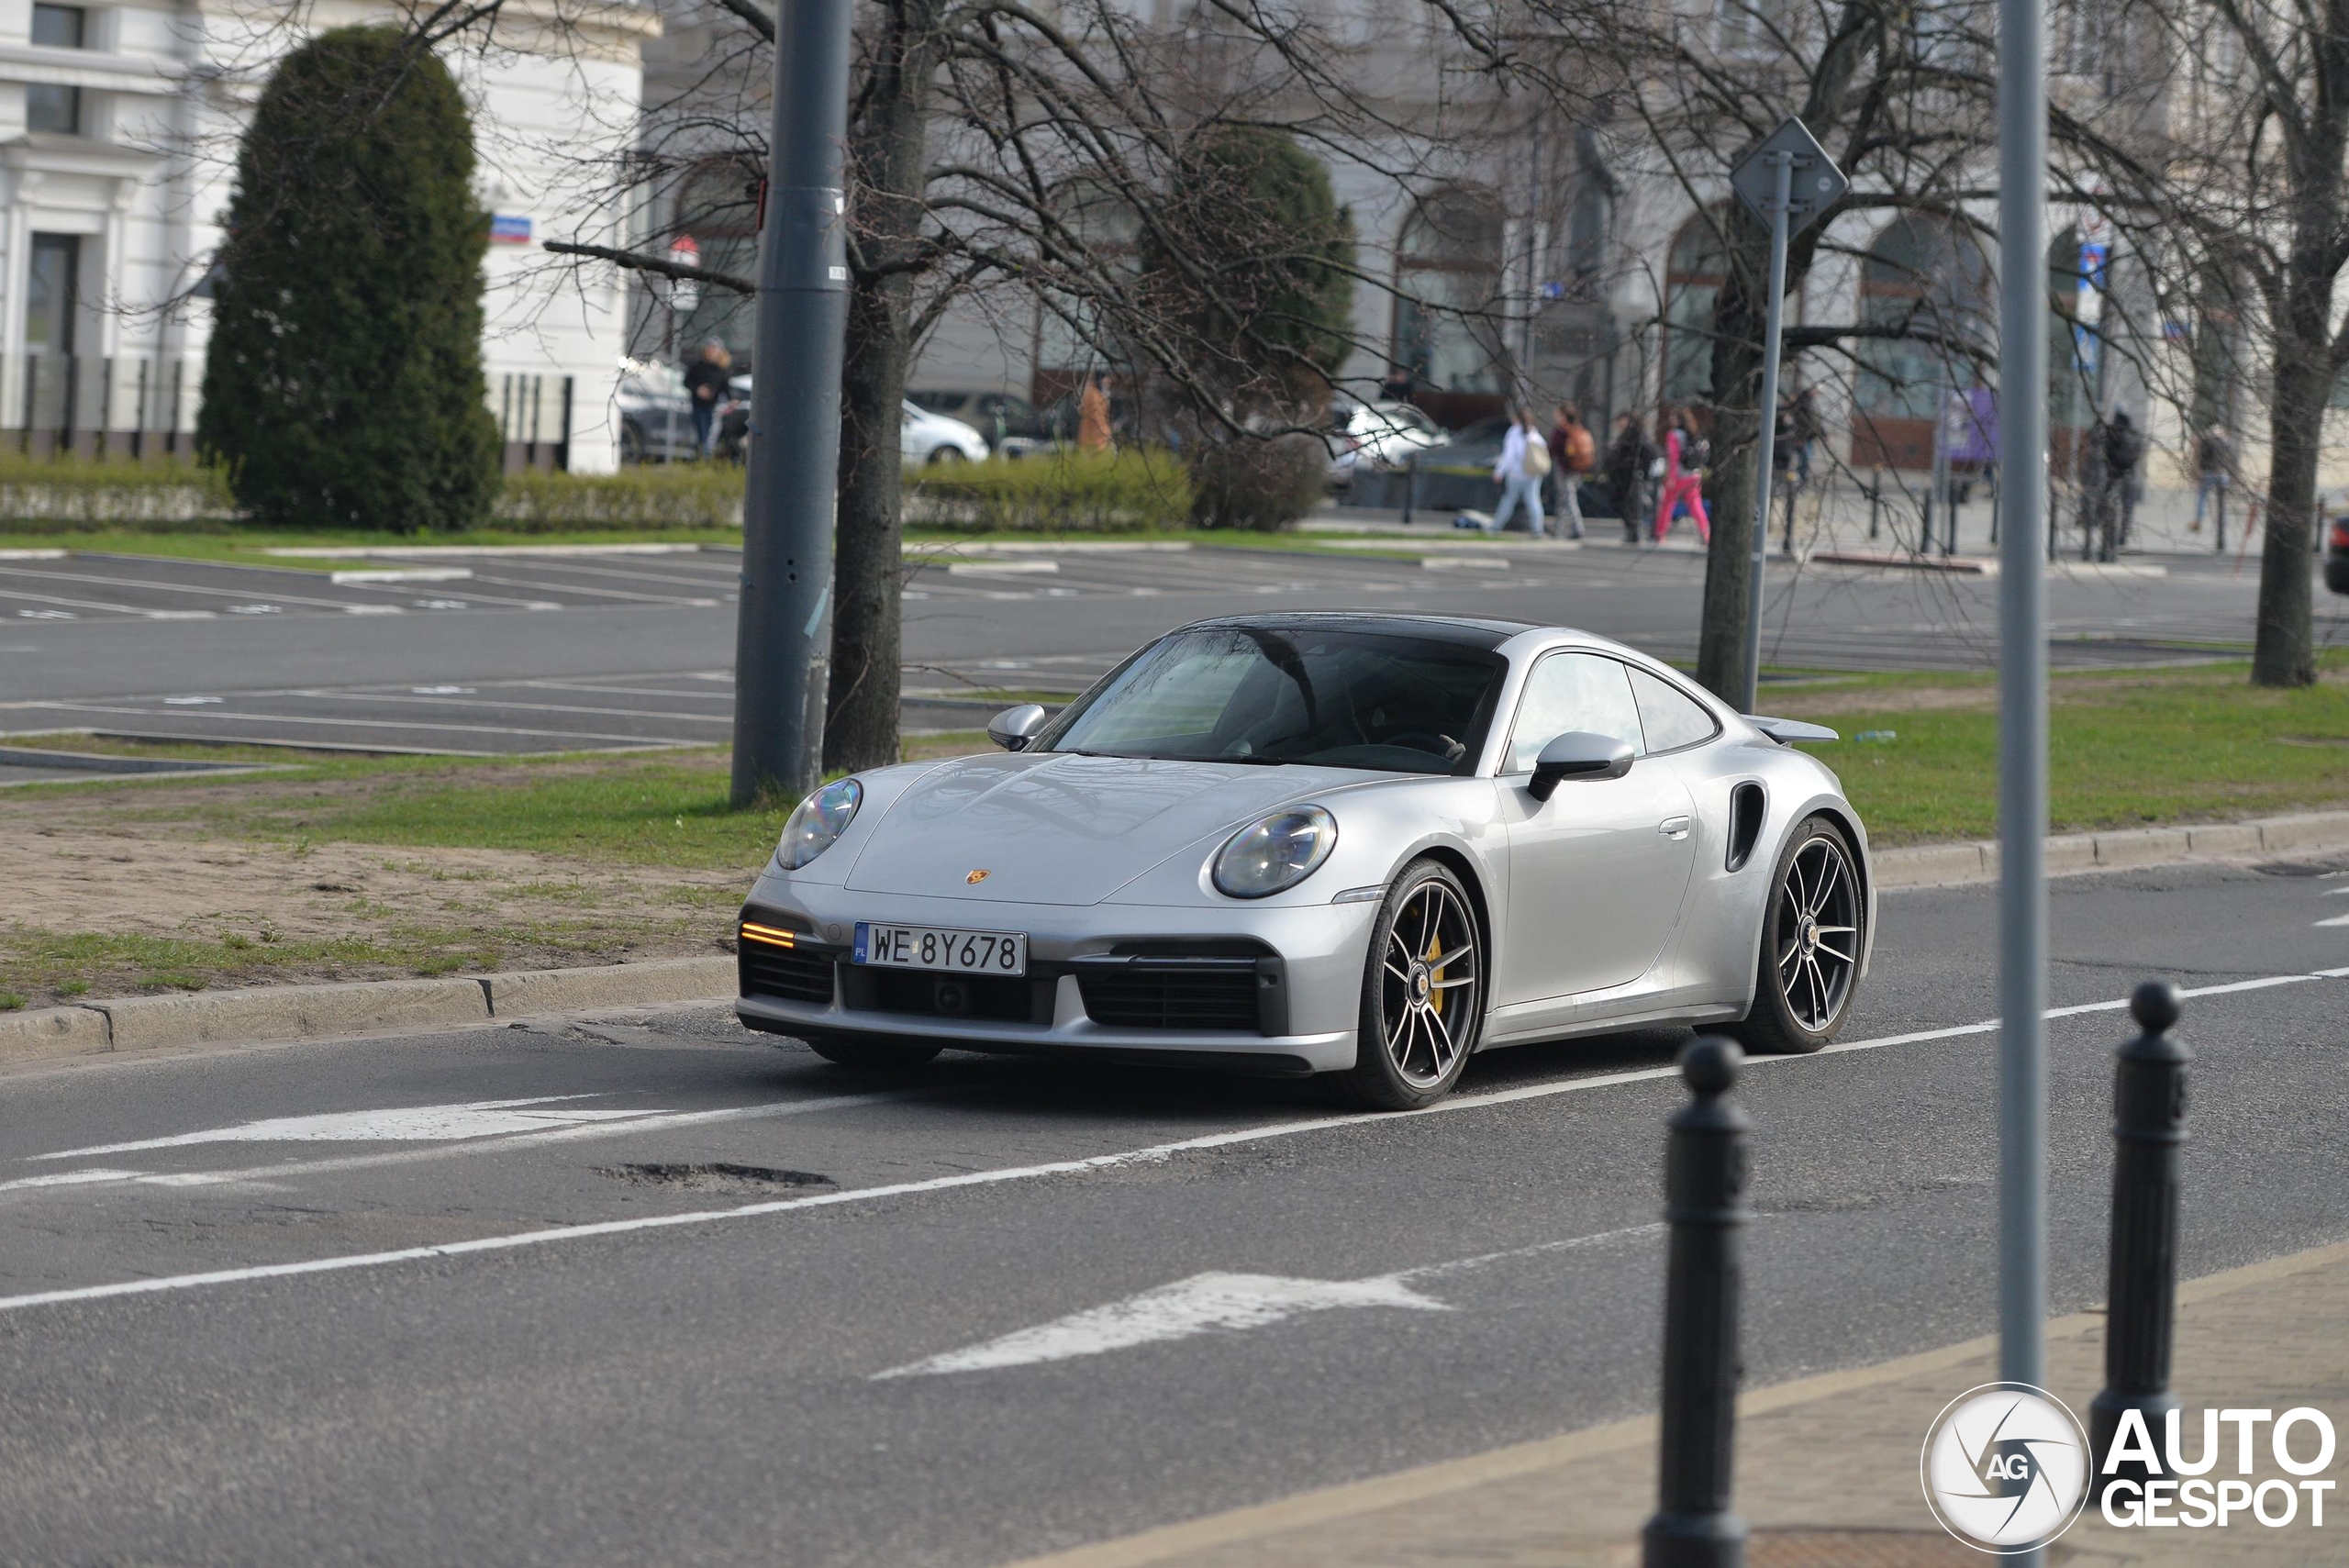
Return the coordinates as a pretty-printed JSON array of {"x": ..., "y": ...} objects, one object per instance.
[
  {"x": 1684, "y": 456},
  {"x": 1572, "y": 454},
  {"x": 1523, "y": 464},
  {"x": 2123, "y": 449},
  {"x": 1627, "y": 473}
]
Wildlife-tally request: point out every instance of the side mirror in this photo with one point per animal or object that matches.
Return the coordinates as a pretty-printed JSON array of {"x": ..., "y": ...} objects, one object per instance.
[
  {"x": 1578, "y": 755},
  {"x": 1015, "y": 726}
]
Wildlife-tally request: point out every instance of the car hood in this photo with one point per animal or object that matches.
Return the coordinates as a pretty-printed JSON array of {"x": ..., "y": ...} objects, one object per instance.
[{"x": 1061, "y": 829}]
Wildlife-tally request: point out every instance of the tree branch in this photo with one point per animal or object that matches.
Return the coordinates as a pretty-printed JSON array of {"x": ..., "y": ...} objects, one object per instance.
[{"x": 638, "y": 261}]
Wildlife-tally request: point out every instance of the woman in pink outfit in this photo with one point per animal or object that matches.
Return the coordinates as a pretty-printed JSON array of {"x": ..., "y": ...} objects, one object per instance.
[{"x": 1681, "y": 485}]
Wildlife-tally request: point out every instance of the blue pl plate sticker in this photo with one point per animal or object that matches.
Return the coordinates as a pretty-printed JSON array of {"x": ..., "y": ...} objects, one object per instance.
[{"x": 864, "y": 938}]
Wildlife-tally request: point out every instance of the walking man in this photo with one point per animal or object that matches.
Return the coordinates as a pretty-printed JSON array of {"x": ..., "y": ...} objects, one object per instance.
[
  {"x": 2123, "y": 449},
  {"x": 2213, "y": 470},
  {"x": 1572, "y": 454},
  {"x": 1628, "y": 460},
  {"x": 706, "y": 381},
  {"x": 1523, "y": 464}
]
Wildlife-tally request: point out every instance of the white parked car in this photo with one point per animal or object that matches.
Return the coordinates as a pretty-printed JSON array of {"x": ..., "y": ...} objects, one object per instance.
[
  {"x": 933, "y": 438},
  {"x": 1383, "y": 435},
  {"x": 656, "y": 417}
]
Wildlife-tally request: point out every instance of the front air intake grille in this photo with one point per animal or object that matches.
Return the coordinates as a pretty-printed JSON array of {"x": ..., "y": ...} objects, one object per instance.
[
  {"x": 785, "y": 972},
  {"x": 1189, "y": 997}
]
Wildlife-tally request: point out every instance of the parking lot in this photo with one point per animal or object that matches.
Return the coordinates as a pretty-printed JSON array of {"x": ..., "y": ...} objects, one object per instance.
[{"x": 584, "y": 648}]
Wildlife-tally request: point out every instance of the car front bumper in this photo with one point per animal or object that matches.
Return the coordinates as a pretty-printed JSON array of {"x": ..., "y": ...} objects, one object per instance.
[{"x": 1252, "y": 988}]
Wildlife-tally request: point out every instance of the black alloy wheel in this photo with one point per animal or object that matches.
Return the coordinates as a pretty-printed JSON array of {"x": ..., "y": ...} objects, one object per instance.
[
  {"x": 1812, "y": 936},
  {"x": 1423, "y": 992}
]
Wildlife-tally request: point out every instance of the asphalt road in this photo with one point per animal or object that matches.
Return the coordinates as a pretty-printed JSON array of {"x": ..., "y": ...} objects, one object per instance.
[
  {"x": 538, "y": 653},
  {"x": 880, "y": 1343}
]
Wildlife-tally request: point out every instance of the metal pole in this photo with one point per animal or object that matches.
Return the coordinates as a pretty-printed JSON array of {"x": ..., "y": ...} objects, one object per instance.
[
  {"x": 2022, "y": 698},
  {"x": 1704, "y": 1180},
  {"x": 2141, "y": 1301},
  {"x": 1783, "y": 168},
  {"x": 783, "y": 642}
]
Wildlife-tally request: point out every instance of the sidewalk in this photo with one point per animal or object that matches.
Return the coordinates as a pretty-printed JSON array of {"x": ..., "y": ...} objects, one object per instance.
[{"x": 1827, "y": 1466}]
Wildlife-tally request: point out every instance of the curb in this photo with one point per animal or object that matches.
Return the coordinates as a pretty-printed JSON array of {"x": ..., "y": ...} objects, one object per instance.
[
  {"x": 1946, "y": 865},
  {"x": 268, "y": 1013}
]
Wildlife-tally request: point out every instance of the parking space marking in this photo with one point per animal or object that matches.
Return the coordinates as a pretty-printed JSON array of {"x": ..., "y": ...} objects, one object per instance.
[
  {"x": 480, "y": 576},
  {"x": 1086, "y": 1165},
  {"x": 649, "y": 742},
  {"x": 102, "y": 605},
  {"x": 245, "y": 595},
  {"x": 415, "y": 699}
]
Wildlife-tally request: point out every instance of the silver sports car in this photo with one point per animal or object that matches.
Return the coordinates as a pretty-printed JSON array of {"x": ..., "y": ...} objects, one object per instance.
[{"x": 1356, "y": 844}]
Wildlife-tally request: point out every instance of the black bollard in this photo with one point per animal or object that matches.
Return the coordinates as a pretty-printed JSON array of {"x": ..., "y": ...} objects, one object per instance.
[
  {"x": 2149, "y": 1126},
  {"x": 1704, "y": 1188}
]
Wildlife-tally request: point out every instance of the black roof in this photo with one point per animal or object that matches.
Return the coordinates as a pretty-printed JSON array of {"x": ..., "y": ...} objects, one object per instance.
[{"x": 1473, "y": 632}]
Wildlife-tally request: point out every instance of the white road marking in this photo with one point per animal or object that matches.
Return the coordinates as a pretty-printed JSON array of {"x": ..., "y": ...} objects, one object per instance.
[
  {"x": 364, "y": 724},
  {"x": 652, "y": 1121},
  {"x": 2336, "y": 920},
  {"x": 398, "y": 1124},
  {"x": 1209, "y": 1303},
  {"x": 1152, "y": 1154},
  {"x": 1202, "y": 1304}
]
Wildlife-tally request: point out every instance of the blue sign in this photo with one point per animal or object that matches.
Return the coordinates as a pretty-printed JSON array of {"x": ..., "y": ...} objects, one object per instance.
[{"x": 504, "y": 229}]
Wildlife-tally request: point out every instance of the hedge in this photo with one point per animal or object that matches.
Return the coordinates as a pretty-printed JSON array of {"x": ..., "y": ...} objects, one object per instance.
[{"x": 1059, "y": 491}]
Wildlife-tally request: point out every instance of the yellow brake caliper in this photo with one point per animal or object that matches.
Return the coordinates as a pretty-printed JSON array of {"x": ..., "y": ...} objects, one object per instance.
[{"x": 1435, "y": 997}]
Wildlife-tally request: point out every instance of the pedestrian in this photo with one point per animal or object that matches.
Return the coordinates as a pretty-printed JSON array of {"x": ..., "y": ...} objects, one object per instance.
[
  {"x": 2123, "y": 449},
  {"x": 1523, "y": 464},
  {"x": 1627, "y": 473},
  {"x": 1684, "y": 478},
  {"x": 1572, "y": 454},
  {"x": 1807, "y": 429},
  {"x": 706, "y": 381},
  {"x": 2214, "y": 473}
]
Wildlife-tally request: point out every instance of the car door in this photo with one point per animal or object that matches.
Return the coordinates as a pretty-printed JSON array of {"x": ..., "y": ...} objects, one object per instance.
[{"x": 1597, "y": 872}]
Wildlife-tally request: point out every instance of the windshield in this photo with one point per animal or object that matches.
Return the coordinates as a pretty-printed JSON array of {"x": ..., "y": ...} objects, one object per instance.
[{"x": 1260, "y": 695}]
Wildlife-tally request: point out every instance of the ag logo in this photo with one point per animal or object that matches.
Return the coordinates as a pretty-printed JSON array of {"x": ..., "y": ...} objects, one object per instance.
[
  {"x": 976, "y": 877},
  {"x": 2006, "y": 1468}
]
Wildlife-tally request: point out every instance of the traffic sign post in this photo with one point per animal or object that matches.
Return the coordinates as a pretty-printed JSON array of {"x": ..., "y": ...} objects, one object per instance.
[{"x": 1788, "y": 181}]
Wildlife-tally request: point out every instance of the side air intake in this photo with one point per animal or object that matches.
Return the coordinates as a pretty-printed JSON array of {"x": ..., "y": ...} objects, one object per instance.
[{"x": 1745, "y": 804}]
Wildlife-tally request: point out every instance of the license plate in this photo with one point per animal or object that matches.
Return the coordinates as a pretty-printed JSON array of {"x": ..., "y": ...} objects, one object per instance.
[{"x": 934, "y": 947}]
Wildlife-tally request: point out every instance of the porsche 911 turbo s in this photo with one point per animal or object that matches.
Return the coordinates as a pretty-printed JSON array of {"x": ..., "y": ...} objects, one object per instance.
[{"x": 1362, "y": 845}]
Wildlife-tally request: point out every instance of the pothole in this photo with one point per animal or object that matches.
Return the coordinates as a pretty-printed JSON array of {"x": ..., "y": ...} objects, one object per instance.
[{"x": 714, "y": 1177}]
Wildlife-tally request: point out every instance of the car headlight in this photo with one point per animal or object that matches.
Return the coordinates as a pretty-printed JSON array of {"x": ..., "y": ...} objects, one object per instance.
[
  {"x": 1275, "y": 853},
  {"x": 816, "y": 821}
]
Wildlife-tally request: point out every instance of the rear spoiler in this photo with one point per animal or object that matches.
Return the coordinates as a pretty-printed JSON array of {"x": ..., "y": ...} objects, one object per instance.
[{"x": 1786, "y": 731}]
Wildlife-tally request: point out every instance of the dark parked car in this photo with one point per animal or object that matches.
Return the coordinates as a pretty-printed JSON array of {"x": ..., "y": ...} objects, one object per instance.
[
  {"x": 2336, "y": 555},
  {"x": 1009, "y": 424}
]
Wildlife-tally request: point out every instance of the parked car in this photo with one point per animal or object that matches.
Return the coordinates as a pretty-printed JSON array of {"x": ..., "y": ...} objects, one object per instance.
[
  {"x": 928, "y": 438},
  {"x": 1373, "y": 845},
  {"x": 1383, "y": 435},
  {"x": 2336, "y": 555},
  {"x": 656, "y": 414},
  {"x": 1009, "y": 424}
]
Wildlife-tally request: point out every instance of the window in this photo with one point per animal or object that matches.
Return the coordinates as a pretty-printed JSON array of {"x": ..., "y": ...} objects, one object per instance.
[
  {"x": 1569, "y": 692},
  {"x": 1693, "y": 277},
  {"x": 51, "y": 277},
  {"x": 1447, "y": 294},
  {"x": 1671, "y": 717},
  {"x": 58, "y": 27}
]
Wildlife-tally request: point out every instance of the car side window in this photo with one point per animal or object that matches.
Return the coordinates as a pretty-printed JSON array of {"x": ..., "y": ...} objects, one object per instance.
[
  {"x": 1568, "y": 692},
  {"x": 1670, "y": 716}
]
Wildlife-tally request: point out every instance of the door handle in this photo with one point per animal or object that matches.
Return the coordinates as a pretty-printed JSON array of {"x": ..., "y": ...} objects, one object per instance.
[{"x": 1674, "y": 828}]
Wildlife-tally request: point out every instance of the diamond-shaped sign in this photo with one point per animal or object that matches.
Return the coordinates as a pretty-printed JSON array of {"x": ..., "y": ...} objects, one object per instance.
[{"x": 1815, "y": 185}]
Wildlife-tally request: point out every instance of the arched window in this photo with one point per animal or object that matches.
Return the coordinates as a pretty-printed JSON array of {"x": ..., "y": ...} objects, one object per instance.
[
  {"x": 1929, "y": 281},
  {"x": 1694, "y": 273},
  {"x": 717, "y": 205},
  {"x": 1447, "y": 290}
]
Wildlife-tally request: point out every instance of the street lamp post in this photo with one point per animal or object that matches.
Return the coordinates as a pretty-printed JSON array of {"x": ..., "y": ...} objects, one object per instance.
[{"x": 789, "y": 502}]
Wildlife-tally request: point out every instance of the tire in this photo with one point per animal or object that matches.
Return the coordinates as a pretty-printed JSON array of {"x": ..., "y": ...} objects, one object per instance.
[
  {"x": 885, "y": 1054},
  {"x": 942, "y": 455},
  {"x": 1420, "y": 1021},
  {"x": 631, "y": 442},
  {"x": 1807, "y": 969}
]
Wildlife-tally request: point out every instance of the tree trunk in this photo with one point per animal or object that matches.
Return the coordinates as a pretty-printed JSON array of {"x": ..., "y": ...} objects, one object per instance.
[
  {"x": 2284, "y": 654},
  {"x": 1738, "y": 324},
  {"x": 887, "y": 165}
]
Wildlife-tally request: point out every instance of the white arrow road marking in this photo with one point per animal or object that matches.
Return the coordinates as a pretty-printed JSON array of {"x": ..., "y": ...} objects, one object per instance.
[
  {"x": 650, "y": 1121},
  {"x": 403, "y": 1123},
  {"x": 1153, "y": 1153},
  {"x": 1199, "y": 1304},
  {"x": 1206, "y": 1303}
]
